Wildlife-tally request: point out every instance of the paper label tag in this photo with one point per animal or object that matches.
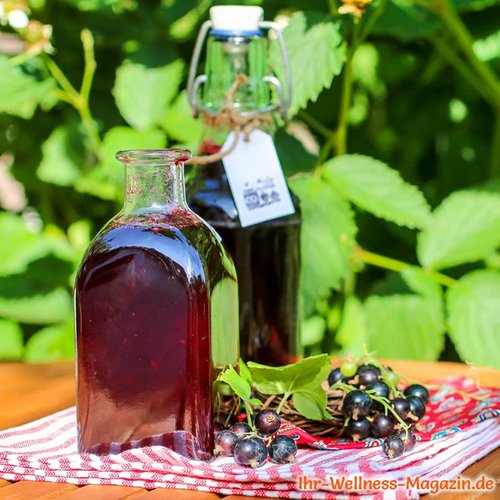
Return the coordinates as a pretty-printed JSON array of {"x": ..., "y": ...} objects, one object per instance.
[{"x": 256, "y": 179}]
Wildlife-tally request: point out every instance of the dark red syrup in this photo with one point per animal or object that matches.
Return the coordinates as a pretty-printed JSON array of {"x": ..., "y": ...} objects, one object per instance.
[
  {"x": 267, "y": 261},
  {"x": 144, "y": 358}
]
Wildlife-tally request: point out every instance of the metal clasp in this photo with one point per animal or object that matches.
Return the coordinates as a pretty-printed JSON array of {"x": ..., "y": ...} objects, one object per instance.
[{"x": 195, "y": 82}]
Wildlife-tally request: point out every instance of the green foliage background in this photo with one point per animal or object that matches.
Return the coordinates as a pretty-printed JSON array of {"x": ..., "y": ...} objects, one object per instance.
[{"x": 393, "y": 147}]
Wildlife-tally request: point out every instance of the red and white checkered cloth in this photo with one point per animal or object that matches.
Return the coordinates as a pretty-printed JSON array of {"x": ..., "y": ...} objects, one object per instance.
[{"x": 45, "y": 450}]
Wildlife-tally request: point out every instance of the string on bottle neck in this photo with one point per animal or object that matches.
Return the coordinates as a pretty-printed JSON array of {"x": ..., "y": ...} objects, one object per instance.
[{"x": 231, "y": 119}]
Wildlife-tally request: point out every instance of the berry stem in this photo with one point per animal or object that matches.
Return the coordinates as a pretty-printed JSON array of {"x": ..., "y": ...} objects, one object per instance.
[
  {"x": 283, "y": 401},
  {"x": 387, "y": 406}
]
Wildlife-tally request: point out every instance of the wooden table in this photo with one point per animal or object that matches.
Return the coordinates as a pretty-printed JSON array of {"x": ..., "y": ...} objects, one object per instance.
[{"x": 28, "y": 392}]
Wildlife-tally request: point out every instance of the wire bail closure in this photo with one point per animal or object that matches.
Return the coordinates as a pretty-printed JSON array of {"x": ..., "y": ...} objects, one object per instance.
[{"x": 195, "y": 82}]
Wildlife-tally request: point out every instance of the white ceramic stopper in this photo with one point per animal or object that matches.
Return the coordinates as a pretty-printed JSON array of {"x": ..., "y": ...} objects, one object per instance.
[{"x": 236, "y": 17}]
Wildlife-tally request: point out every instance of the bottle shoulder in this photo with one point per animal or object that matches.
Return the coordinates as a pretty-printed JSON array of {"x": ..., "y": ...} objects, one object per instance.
[{"x": 184, "y": 238}]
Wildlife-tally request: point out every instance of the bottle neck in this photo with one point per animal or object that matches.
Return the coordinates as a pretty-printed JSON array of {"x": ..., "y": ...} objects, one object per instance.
[
  {"x": 229, "y": 57},
  {"x": 154, "y": 180}
]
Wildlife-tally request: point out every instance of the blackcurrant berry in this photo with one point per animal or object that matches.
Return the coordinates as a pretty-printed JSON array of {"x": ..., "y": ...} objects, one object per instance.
[
  {"x": 417, "y": 408},
  {"x": 356, "y": 404},
  {"x": 335, "y": 376},
  {"x": 250, "y": 451},
  {"x": 381, "y": 426},
  {"x": 393, "y": 446},
  {"x": 267, "y": 422},
  {"x": 408, "y": 438},
  {"x": 368, "y": 374},
  {"x": 348, "y": 368},
  {"x": 401, "y": 407},
  {"x": 358, "y": 429},
  {"x": 380, "y": 389},
  {"x": 225, "y": 441},
  {"x": 418, "y": 391},
  {"x": 282, "y": 450},
  {"x": 241, "y": 429}
]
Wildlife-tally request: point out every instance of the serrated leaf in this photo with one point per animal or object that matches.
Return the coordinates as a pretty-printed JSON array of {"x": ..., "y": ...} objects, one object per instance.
[
  {"x": 51, "y": 344},
  {"x": 464, "y": 228},
  {"x": 327, "y": 238},
  {"x": 237, "y": 383},
  {"x": 378, "y": 189},
  {"x": 61, "y": 157},
  {"x": 405, "y": 21},
  {"x": 50, "y": 307},
  {"x": 179, "y": 123},
  {"x": 352, "y": 334},
  {"x": 293, "y": 156},
  {"x": 311, "y": 402},
  {"x": 22, "y": 245},
  {"x": 106, "y": 180},
  {"x": 20, "y": 93},
  {"x": 245, "y": 372},
  {"x": 11, "y": 341},
  {"x": 142, "y": 93},
  {"x": 316, "y": 39},
  {"x": 290, "y": 378},
  {"x": 404, "y": 327},
  {"x": 419, "y": 281},
  {"x": 120, "y": 138},
  {"x": 312, "y": 330},
  {"x": 474, "y": 317}
]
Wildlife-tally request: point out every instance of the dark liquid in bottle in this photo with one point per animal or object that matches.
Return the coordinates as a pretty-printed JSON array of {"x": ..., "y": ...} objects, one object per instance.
[
  {"x": 267, "y": 260},
  {"x": 144, "y": 358}
]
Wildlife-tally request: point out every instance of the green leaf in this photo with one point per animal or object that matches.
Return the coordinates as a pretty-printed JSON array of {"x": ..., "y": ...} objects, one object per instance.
[
  {"x": 474, "y": 317},
  {"x": 255, "y": 401},
  {"x": 102, "y": 182},
  {"x": 312, "y": 330},
  {"x": 245, "y": 372},
  {"x": 316, "y": 51},
  {"x": 352, "y": 334},
  {"x": 405, "y": 21},
  {"x": 179, "y": 123},
  {"x": 51, "y": 307},
  {"x": 20, "y": 93},
  {"x": 106, "y": 179},
  {"x": 62, "y": 155},
  {"x": 39, "y": 295},
  {"x": 404, "y": 327},
  {"x": 290, "y": 378},
  {"x": 293, "y": 156},
  {"x": 473, "y": 5},
  {"x": 224, "y": 321},
  {"x": 22, "y": 245},
  {"x": 421, "y": 282},
  {"x": 51, "y": 344},
  {"x": 310, "y": 401},
  {"x": 464, "y": 228},
  {"x": 120, "y": 138},
  {"x": 142, "y": 93},
  {"x": 375, "y": 187},
  {"x": 237, "y": 383},
  {"x": 11, "y": 341},
  {"x": 327, "y": 238}
]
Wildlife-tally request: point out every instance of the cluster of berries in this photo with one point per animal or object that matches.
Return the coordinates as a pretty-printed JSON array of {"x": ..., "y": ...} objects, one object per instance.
[
  {"x": 251, "y": 446},
  {"x": 373, "y": 406}
]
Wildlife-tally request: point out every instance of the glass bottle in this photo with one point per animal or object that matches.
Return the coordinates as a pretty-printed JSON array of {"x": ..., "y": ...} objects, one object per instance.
[
  {"x": 150, "y": 296},
  {"x": 266, "y": 255}
]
